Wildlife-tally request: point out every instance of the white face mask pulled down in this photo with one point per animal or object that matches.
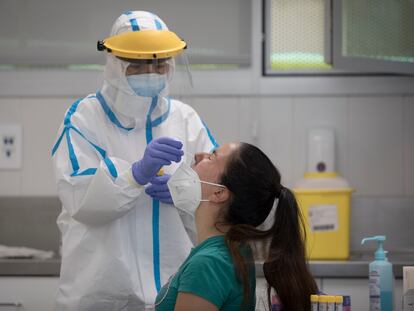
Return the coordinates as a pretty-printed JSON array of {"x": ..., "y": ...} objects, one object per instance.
[{"x": 185, "y": 189}]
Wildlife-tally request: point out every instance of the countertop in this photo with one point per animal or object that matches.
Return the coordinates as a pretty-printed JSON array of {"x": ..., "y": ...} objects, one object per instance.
[
  {"x": 30, "y": 267},
  {"x": 343, "y": 269},
  {"x": 356, "y": 267}
]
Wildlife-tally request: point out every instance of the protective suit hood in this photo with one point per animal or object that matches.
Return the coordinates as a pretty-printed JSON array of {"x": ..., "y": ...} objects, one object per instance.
[{"x": 131, "y": 108}]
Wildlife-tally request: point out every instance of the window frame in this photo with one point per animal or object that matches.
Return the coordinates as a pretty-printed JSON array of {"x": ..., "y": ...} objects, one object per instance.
[
  {"x": 360, "y": 63},
  {"x": 266, "y": 68},
  {"x": 341, "y": 65}
]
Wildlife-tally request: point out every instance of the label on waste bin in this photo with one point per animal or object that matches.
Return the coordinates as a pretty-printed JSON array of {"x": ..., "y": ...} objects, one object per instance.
[{"x": 323, "y": 218}]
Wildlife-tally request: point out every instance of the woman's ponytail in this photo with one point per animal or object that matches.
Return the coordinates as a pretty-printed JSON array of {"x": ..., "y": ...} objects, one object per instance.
[{"x": 285, "y": 269}]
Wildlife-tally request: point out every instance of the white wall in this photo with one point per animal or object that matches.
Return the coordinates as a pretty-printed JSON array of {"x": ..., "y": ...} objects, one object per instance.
[
  {"x": 375, "y": 136},
  {"x": 372, "y": 118}
]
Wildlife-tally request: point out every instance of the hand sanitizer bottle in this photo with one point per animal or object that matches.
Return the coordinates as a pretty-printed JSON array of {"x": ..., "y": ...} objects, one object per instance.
[{"x": 381, "y": 279}]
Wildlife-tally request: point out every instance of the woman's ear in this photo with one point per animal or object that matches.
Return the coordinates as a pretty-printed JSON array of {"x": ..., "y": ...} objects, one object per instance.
[{"x": 221, "y": 195}]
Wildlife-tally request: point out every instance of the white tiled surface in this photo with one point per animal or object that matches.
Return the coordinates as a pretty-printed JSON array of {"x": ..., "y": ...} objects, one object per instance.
[
  {"x": 42, "y": 118},
  {"x": 249, "y": 119},
  {"x": 375, "y": 147},
  {"x": 358, "y": 289},
  {"x": 374, "y": 137},
  {"x": 319, "y": 112},
  {"x": 261, "y": 293},
  {"x": 10, "y": 110},
  {"x": 34, "y": 293},
  {"x": 10, "y": 180},
  {"x": 221, "y": 114},
  {"x": 275, "y": 118},
  {"x": 409, "y": 145},
  {"x": 389, "y": 216}
]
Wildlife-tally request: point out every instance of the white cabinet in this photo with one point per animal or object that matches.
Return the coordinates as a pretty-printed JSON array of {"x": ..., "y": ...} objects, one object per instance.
[
  {"x": 33, "y": 293},
  {"x": 358, "y": 289},
  {"x": 261, "y": 293}
]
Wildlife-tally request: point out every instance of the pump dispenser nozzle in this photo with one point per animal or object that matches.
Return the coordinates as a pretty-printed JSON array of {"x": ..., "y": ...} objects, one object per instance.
[
  {"x": 380, "y": 254},
  {"x": 381, "y": 278}
]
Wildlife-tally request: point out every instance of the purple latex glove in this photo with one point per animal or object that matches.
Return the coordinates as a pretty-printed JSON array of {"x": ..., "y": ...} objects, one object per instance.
[
  {"x": 158, "y": 189},
  {"x": 161, "y": 151}
]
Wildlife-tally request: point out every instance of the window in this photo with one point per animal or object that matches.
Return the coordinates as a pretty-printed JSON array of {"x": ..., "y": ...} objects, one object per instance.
[
  {"x": 333, "y": 36},
  {"x": 375, "y": 35},
  {"x": 296, "y": 39},
  {"x": 51, "y": 33}
]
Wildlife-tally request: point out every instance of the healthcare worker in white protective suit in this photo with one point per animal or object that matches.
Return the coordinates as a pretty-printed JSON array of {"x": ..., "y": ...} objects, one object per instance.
[{"x": 121, "y": 236}]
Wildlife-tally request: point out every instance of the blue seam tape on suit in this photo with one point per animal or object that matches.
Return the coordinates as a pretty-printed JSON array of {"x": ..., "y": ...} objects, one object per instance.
[
  {"x": 155, "y": 208},
  {"x": 164, "y": 116},
  {"x": 109, "y": 164},
  {"x": 213, "y": 141},
  {"x": 157, "y": 22},
  {"x": 111, "y": 115},
  {"x": 134, "y": 24},
  {"x": 72, "y": 156},
  {"x": 155, "y": 203},
  {"x": 133, "y": 21},
  {"x": 55, "y": 147}
]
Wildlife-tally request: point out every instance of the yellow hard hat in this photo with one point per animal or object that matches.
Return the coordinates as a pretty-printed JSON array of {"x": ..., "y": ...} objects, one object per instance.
[{"x": 145, "y": 44}]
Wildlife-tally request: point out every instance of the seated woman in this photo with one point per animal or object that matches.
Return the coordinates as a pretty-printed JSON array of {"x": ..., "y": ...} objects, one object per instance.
[{"x": 231, "y": 192}]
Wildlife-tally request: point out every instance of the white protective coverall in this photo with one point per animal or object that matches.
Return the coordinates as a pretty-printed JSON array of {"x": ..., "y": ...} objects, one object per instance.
[{"x": 119, "y": 246}]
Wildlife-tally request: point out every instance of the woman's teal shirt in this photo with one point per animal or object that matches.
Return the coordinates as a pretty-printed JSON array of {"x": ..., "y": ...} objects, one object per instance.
[{"x": 209, "y": 273}]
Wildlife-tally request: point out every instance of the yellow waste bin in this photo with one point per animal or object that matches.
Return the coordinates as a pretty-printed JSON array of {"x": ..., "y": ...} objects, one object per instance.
[{"x": 324, "y": 200}]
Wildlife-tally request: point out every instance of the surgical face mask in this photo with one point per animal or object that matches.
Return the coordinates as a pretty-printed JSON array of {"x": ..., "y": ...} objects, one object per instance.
[
  {"x": 185, "y": 189},
  {"x": 148, "y": 84}
]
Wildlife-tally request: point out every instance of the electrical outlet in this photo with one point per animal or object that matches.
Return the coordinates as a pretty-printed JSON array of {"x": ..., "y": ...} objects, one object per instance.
[{"x": 10, "y": 146}]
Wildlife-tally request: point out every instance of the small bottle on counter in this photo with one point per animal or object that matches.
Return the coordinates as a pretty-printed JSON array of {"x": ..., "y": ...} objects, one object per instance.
[
  {"x": 330, "y": 305},
  {"x": 314, "y": 302},
  {"x": 276, "y": 304},
  {"x": 339, "y": 300},
  {"x": 323, "y": 303},
  {"x": 346, "y": 305}
]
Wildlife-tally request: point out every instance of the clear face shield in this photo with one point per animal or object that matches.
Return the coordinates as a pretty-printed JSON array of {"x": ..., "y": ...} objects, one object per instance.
[
  {"x": 145, "y": 64},
  {"x": 159, "y": 77},
  {"x": 181, "y": 86},
  {"x": 147, "y": 77}
]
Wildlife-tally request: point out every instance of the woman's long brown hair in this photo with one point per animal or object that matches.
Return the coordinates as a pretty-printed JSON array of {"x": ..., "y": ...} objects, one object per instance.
[{"x": 255, "y": 184}]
